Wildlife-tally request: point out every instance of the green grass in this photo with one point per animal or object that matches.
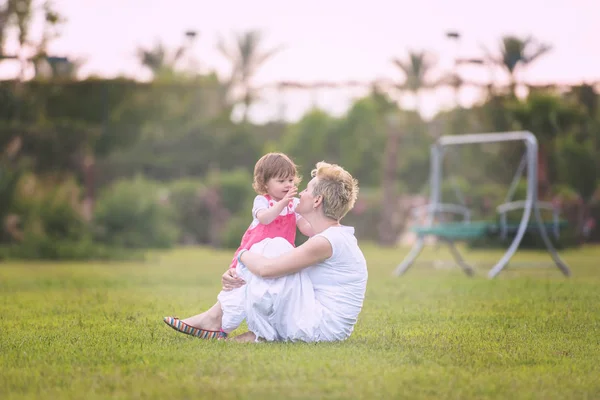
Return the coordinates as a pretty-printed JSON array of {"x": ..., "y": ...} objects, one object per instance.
[{"x": 93, "y": 330}]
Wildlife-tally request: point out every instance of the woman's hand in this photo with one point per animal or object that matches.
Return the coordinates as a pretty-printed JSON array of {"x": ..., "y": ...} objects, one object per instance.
[{"x": 231, "y": 281}]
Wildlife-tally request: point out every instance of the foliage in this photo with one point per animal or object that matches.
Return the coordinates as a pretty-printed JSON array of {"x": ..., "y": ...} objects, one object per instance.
[
  {"x": 48, "y": 223},
  {"x": 352, "y": 140},
  {"x": 177, "y": 129},
  {"x": 305, "y": 140},
  {"x": 50, "y": 209},
  {"x": 135, "y": 214},
  {"x": 231, "y": 235},
  {"x": 234, "y": 189},
  {"x": 366, "y": 213},
  {"x": 36, "y": 247},
  {"x": 192, "y": 215},
  {"x": 416, "y": 70},
  {"x": 577, "y": 165},
  {"x": 11, "y": 172},
  {"x": 517, "y": 53},
  {"x": 51, "y": 148},
  {"x": 546, "y": 115}
]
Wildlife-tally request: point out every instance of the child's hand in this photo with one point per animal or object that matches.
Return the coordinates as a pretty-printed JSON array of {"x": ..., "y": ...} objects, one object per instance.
[{"x": 290, "y": 195}]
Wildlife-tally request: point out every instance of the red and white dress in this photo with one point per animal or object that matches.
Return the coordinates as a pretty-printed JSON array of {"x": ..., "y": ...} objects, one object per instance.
[{"x": 284, "y": 225}]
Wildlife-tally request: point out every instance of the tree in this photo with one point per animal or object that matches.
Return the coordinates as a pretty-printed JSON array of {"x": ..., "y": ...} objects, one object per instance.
[
  {"x": 163, "y": 62},
  {"x": 11, "y": 171},
  {"x": 547, "y": 116},
  {"x": 416, "y": 70},
  {"x": 306, "y": 140},
  {"x": 246, "y": 56},
  {"x": 516, "y": 54},
  {"x": 586, "y": 95},
  {"x": 5, "y": 15},
  {"x": 17, "y": 15},
  {"x": 358, "y": 139}
]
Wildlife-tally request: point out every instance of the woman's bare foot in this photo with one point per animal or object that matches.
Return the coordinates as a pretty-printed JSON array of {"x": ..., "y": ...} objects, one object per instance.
[
  {"x": 209, "y": 320},
  {"x": 247, "y": 337}
]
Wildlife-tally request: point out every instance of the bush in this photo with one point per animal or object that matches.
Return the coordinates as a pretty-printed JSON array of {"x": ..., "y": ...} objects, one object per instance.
[
  {"x": 234, "y": 189},
  {"x": 135, "y": 214},
  {"x": 36, "y": 247},
  {"x": 228, "y": 197},
  {"x": 192, "y": 214},
  {"x": 50, "y": 209},
  {"x": 365, "y": 215},
  {"x": 9, "y": 181},
  {"x": 50, "y": 224},
  {"x": 231, "y": 235}
]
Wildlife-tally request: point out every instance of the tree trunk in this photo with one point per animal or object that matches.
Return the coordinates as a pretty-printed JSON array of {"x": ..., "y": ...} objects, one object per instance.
[
  {"x": 513, "y": 84},
  {"x": 584, "y": 216},
  {"x": 543, "y": 185},
  {"x": 247, "y": 104},
  {"x": 389, "y": 206},
  {"x": 89, "y": 169}
]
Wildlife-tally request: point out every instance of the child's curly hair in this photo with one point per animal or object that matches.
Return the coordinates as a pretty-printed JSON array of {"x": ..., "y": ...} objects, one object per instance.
[{"x": 273, "y": 165}]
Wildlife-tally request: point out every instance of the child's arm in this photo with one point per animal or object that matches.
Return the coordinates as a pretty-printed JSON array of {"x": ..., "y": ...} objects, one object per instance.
[
  {"x": 266, "y": 216},
  {"x": 305, "y": 227}
]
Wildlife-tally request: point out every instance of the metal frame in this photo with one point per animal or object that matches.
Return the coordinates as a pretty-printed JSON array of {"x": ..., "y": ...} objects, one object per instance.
[
  {"x": 530, "y": 204},
  {"x": 444, "y": 207},
  {"x": 503, "y": 209}
]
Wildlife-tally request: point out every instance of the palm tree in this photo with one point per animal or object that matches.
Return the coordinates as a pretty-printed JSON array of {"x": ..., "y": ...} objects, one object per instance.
[
  {"x": 416, "y": 71},
  {"x": 162, "y": 62},
  {"x": 517, "y": 54},
  {"x": 246, "y": 57},
  {"x": 158, "y": 60}
]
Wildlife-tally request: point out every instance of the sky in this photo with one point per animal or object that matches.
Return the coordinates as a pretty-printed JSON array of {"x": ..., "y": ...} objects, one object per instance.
[{"x": 333, "y": 40}]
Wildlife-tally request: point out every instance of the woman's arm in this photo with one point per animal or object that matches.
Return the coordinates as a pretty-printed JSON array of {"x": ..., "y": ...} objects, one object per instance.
[
  {"x": 305, "y": 227},
  {"x": 313, "y": 251}
]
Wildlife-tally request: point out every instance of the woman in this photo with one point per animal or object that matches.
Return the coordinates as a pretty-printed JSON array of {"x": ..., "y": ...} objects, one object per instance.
[{"x": 311, "y": 293}]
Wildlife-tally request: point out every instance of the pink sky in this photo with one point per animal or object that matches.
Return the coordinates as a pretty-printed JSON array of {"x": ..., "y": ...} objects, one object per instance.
[{"x": 334, "y": 40}]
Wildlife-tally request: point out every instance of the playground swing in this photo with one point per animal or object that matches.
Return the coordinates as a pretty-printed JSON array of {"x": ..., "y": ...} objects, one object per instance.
[{"x": 451, "y": 232}]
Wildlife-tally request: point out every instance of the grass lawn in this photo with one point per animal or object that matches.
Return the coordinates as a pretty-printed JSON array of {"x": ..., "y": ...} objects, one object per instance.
[{"x": 93, "y": 330}]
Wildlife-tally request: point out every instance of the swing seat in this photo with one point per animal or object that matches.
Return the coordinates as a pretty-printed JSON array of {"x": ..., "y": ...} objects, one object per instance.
[
  {"x": 457, "y": 230},
  {"x": 470, "y": 230},
  {"x": 550, "y": 226}
]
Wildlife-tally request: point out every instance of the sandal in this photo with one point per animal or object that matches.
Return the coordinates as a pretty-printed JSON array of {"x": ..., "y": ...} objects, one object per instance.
[{"x": 182, "y": 327}]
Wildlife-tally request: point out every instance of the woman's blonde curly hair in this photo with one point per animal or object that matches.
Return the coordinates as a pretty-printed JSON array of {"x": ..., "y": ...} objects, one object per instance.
[{"x": 337, "y": 187}]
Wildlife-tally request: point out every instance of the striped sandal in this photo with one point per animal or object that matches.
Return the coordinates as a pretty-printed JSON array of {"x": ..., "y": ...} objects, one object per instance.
[{"x": 182, "y": 327}]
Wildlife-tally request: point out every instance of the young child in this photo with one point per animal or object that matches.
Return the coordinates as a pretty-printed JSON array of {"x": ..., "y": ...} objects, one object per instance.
[{"x": 273, "y": 213}]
